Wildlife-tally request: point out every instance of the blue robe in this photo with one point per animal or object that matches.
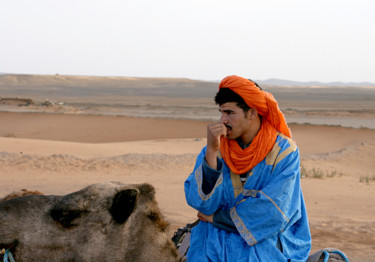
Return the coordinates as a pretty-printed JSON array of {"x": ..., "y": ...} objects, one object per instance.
[{"x": 268, "y": 211}]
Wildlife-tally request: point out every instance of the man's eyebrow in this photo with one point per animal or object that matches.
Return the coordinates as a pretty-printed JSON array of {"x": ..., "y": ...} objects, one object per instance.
[{"x": 226, "y": 110}]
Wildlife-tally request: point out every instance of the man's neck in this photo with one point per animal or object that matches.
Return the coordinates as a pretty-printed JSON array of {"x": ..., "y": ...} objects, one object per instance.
[{"x": 242, "y": 144}]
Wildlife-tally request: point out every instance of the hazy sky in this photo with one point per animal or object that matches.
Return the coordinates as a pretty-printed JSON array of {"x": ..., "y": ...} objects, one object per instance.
[{"x": 322, "y": 40}]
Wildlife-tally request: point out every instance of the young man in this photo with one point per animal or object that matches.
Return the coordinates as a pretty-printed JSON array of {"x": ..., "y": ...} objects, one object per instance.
[{"x": 246, "y": 183}]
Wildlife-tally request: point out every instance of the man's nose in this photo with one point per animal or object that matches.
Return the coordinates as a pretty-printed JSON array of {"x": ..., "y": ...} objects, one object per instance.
[{"x": 223, "y": 119}]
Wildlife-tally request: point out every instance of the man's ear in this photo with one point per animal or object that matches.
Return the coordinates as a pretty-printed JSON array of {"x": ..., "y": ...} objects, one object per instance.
[{"x": 252, "y": 113}]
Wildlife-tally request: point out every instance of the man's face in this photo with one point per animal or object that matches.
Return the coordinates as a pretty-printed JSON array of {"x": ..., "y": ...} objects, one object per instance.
[{"x": 235, "y": 120}]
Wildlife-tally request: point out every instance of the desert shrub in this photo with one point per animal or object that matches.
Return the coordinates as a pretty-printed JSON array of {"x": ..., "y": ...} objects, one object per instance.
[
  {"x": 318, "y": 173},
  {"x": 366, "y": 179}
]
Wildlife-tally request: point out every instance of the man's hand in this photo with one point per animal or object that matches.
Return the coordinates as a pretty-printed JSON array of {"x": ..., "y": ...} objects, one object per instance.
[
  {"x": 214, "y": 132},
  {"x": 205, "y": 218}
]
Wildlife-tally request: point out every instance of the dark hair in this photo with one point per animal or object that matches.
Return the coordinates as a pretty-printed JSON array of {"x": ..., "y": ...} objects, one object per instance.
[
  {"x": 226, "y": 95},
  {"x": 256, "y": 84}
]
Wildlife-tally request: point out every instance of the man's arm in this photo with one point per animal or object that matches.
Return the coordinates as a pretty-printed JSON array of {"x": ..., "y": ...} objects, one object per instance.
[{"x": 196, "y": 190}]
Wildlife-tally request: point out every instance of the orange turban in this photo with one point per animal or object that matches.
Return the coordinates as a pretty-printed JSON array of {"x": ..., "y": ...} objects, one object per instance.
[{"x": 242, "y": 160}]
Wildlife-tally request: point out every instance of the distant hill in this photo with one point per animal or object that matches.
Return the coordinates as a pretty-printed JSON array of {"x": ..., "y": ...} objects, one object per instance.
[
  {"x": 85, "y": 87},
  {"x": 163, "y": 97},
  {"x": 88, "y": 86},
  {"x": 282, "y": 82},
  {"x": 150, "y": 82}
]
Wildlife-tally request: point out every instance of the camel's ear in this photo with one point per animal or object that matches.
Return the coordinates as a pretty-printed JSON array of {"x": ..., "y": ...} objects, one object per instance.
[{"x": 123, "y": 205}]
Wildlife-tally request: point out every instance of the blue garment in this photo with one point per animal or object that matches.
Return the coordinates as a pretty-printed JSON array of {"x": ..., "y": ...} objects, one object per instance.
[
  {"x": 221, "y": 217},
  {"x": 268, "y": 211}
]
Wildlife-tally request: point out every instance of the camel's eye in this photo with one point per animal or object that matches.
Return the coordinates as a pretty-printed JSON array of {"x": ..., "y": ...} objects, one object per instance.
[{"x": 66, "y": 217}]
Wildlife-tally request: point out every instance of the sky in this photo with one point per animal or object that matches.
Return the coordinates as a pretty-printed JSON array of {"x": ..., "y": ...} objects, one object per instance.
[{"x": 315, "y": 40}]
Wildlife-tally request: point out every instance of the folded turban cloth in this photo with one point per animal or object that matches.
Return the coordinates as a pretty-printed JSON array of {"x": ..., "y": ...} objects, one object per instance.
[{"x": 241, "y": 160}]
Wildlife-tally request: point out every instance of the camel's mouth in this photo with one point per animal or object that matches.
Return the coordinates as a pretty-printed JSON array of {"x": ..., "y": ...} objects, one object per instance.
[{"x": 8, "y": 247}]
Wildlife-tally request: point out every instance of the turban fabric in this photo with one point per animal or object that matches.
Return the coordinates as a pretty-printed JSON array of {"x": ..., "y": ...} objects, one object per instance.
[{"x": 241, "y": 160}]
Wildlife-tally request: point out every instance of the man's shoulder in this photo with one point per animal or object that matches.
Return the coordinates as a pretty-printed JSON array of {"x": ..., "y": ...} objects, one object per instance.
[
  {"x": 284, "y": 146},
  {"x": 285, "y": 142}
]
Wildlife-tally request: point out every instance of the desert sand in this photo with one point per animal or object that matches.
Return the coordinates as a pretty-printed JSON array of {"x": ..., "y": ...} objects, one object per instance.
[{"x": 60, "y": 149}]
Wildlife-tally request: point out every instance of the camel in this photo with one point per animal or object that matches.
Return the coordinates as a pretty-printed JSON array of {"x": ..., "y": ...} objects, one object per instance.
[{"x": 109, "y": 221}]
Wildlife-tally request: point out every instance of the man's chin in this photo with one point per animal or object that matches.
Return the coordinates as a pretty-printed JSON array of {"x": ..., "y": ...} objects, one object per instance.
[{"x": 231, "y": 137}]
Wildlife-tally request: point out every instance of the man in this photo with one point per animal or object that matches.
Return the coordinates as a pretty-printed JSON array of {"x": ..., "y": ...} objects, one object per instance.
[{"x": 246, "y": 183}]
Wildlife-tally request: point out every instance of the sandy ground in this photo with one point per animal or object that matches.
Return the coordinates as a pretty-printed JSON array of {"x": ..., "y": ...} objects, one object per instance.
[{"x": 58, "y": 154}]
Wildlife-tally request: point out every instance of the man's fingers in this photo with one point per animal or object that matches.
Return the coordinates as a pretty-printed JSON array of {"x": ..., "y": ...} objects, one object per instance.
[
  {"x": 218, "y": 130},
  {"x": 199, "y": 215},
  {"x": 205, "y": 218},
  {"x": 214, "y": 132}
]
